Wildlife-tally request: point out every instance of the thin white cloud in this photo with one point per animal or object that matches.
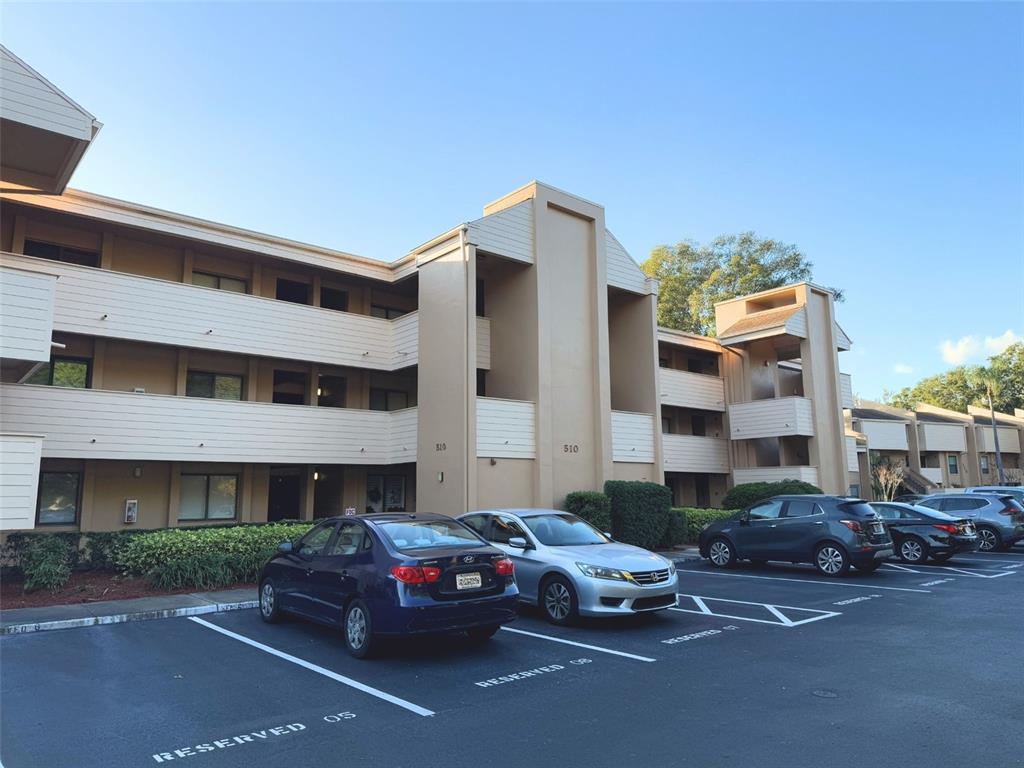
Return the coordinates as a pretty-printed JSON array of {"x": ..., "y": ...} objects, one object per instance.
[
  {"x": 961, "y": 350},
  {"x": 902, "y": 368},
  {"x": 994, "y": 345}
]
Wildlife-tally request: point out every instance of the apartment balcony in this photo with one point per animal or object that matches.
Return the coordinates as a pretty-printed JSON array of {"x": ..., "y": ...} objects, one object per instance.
[
  {"x": 846, "y": 387},
  {"x": 777, "y": 417},
  {"x": 26, "y": 314},
  {"x": 99, "y": 302},
  {"x": 942, "y": 437},
  {"x": 505, "y": 429},
  {"x": 775, "y": 474},
  {"x": 633, "y": 437},
  {"x": 1009, "y": 439},
  {"x": 97, "y": 424},
  {"x": 694, "y": 453},
  {"x": 932, "y": 474},
  {"x": 691, "y": 390}
]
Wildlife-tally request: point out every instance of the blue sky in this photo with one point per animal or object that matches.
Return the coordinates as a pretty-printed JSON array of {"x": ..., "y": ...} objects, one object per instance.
[{"x": 886, "y": 140}]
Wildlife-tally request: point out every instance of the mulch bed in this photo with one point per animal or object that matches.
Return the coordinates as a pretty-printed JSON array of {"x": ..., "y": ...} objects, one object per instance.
[{"x": 85, "y": 587}]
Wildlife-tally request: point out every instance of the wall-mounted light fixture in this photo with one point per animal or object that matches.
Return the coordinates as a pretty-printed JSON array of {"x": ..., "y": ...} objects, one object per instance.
[
  {"x": 440, "y": 477},
  {"x": 136, "y": 471},
  {"x": 316, "y": 475}
]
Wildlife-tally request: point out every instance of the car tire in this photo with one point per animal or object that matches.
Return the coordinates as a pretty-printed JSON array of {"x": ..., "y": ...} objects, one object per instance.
[
  {"x": 871, "y": 567},
  {"x": 831, "y": 559},
  {"x": 269, "y": 610},
  {"x": 912, "y": 551},
  {"x": 483, "y": 634},
  {"x": 357, "y": 630},
  {"x": 722, "y": 553},
  {"x": 989, "y": 539},
  {"x": 558, "y": 601}
]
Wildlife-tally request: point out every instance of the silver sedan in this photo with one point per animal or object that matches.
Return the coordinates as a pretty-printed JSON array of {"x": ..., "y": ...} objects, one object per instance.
[{"x": 569, "y": 568}]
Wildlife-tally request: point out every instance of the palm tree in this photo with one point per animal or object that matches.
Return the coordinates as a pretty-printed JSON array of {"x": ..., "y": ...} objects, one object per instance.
[{"x": 987, "y": 379}]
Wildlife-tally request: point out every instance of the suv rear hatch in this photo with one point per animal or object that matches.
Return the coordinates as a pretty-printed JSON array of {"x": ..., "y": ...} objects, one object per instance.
[{"x": 873, "y": 528}]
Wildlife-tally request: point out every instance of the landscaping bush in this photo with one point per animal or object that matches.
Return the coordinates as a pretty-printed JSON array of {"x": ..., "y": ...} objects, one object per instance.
[
  {"x": 209, "y": 570},
  {"x": 592, "y": 506},
  {"x": 696, "y": 519},
  {"x": 640, "y": 511},
  {"x": 675, "y": 531},
  {"x": 46, "y": 562},
  {"x": 745, "y": 494}
]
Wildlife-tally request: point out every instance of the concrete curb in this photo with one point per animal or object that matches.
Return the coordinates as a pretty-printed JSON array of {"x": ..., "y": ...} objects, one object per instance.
[{"x": 121, "y": 618}]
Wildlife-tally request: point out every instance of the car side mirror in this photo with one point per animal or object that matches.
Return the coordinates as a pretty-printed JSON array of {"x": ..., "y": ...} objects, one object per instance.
[
  {"x": 745, "y": 518},
  {"x": 285, "y": 547},
  {"x": 518, "y": 542}
]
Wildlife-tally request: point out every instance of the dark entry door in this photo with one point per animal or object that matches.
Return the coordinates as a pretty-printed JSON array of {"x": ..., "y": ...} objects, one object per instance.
[{"x": 284, "y": 496}]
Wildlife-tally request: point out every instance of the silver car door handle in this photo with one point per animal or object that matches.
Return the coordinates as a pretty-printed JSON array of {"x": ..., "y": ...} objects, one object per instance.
[{"x": 819, "y": 522}]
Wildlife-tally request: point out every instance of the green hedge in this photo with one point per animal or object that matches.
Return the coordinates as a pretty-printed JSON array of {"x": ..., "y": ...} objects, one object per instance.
[
  {"x": 592, "y": 506},
  {"x": 745, "y": 494},
  {"x": 640, "y": 511},
  {"x": 696, "y": 519},
  {"x": 47, "y": 562},
  {"x": 675, "y": 531}
]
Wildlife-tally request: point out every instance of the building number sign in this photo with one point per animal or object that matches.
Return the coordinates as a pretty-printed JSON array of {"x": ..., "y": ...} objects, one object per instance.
[{"x": 570, "y": 448}]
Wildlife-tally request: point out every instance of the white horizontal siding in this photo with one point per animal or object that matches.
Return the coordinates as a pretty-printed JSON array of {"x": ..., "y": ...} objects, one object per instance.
[
  {"x": 942, "y": 437},
  {"x": 507, "y": 233},
  {"x": 884, "y": 435},
  {"x": 851, "y": 455},
  {"x": 776, "y": 417},
  {"x": 846, "y": 385},
  {"x": 842, "y": 340},
  {"x": 1009, "y": 439},
  {"x": 796, "y": 324},
  {"x": 483, "y": 343},
  {"x": 691, "y": 390},
  {"x": 26, "y": 314},
  {"x": 96, "y": 424},
  {"x": 623, "y": 272},
  {"x": 774, "y": 474},
  {"x": 505, "y": 429},
  {"x": 406, "y": 339},
  {"x": 19, "y": 480},
  {"x": 932, "y": 475},
  {"x": 26, "y": 97},
  {"x": 632, "y": 437},
  {"x": 693, "y": 453}
]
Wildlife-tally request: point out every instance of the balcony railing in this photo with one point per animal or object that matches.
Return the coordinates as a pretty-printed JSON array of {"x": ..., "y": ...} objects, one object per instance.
[
  {"x": 776, "y": 417},
  {"x": 99, "y": 424},
  {"x": 1009, "y": 439},
  {"x": 505, "y": 428},
  {"x": 26, "y": 314},
  {"x": 632, "y": 437},
  {"x": 691, "y": 390},
  {"x": 695, "y": 453},
  {"x": 774, "y": 474}
]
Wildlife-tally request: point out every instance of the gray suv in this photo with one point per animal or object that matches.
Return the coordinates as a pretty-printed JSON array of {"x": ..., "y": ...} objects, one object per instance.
[{"x": 999, "y": 517}]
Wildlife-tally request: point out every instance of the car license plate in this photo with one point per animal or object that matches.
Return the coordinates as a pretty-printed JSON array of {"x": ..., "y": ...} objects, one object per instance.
[
  {"x": 468, "y": 581},
  {"x": 878, "y": 528}
]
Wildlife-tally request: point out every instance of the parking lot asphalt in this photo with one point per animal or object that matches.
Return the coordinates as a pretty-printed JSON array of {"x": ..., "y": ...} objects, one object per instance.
[{"x": 770, "y": 666}]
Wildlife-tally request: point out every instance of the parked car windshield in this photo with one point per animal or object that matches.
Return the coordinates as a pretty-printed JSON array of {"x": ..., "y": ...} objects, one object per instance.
[
  {"x": 424, "y": 534},
  {"x": 564, "y": 530}
]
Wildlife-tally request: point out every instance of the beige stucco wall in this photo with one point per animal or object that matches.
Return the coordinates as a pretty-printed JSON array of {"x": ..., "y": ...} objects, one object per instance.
[{"x": 505, "y": 483}]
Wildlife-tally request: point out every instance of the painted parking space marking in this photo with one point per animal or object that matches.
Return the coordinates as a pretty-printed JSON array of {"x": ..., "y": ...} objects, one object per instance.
[
  {"x": 779, "y": 614},
  {"x": 597, "y": 648},
  {"x": 809, "y": 581},
  {"x": 527, "y": 674},
  {"x": 978, "y": 573},
  {"x": 408, "y": 705}
]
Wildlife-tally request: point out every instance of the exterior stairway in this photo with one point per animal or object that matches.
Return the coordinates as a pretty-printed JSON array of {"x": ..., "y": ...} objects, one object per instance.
[{"x": 915, "y": 482}]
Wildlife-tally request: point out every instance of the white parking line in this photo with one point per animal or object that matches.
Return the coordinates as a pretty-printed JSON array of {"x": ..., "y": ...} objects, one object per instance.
[
  {"x": 318, "y": 669},
  {"x": 597, "y": 648},
  {"x": 973, "y": 572},
  {"x": 809, "y": 581},
  {"x": 783, "y": 620}
]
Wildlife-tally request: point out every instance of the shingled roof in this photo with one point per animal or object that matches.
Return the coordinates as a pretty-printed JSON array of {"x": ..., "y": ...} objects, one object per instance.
[{"x": 760, "y": 321}]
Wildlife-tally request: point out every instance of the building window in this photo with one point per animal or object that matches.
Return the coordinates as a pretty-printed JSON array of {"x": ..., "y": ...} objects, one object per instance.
[
  {"x": 954, "y": 467},
  {"x": 208, "y": 497},
  {"x": 219, "y": 386},
  {"x": 666, "y": 425},
  {"x": 481, "y": 382},
  {"x": 855, "y": 491},
  {"x": 74, "y": 372},
  {"x": 984, "y": 465},
  {"x": 334, "y": 298},
  {"x": 293, "y": 291},
  {"x": 221, "y": 283},
  {"x": 59, "y": 498},
  {"x": 385, "y": 493},
  {"x": 62, "y": 253},
  {"x": 388, "y": 313},
  {"x": 388, "y": 399}
]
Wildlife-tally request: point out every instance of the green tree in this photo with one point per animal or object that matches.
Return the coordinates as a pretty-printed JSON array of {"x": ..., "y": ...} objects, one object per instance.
[
  {"x": 964, "y": 385},
  {"x": 695, "y": 277}
]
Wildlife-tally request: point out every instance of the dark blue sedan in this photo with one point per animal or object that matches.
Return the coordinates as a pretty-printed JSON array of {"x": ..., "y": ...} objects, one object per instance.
[{"x": 391, "y": 575}]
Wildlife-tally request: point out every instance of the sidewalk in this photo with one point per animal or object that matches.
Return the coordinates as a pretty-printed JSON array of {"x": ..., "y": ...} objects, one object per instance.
[
  {"x": 685, "y": 554},
  {"x": 21, "y": 620}
]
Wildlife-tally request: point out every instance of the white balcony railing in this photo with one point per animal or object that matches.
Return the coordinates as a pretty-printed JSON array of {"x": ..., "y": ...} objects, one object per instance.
[
  {"x": 846, "y": 389},
  {"x": 505, "y": 428},
  {"x": 694, "y": 453},
  {"x": 1009, "y": 439},
  {"x": 632, "y": 437},
  {"x": 98, "y": 424},
  {"x": 776, "y": 417},
  {"x": 774, "y": 474},
  {"x": 691, "y": 390},
  {"x": 932, "y": 475},
  {"x": 26, "y": 314},
  {"x": 100, "y": 302},
  {"x": 942, "y": 437}
]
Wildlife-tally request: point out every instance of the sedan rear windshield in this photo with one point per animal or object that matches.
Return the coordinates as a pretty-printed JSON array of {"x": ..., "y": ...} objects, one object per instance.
[
  {"x": 425, "y": 534},
  {"x": 564, "y": 530}
]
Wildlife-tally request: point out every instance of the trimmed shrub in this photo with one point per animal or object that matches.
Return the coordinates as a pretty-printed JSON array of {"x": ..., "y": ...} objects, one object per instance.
[
  {"x": 696, "y": 519},
  {"x": 639, "y": 511},
  {"x": 675, "y": 531},
  {"x": 209, "y": 570},
  {"x": 592, "y": 506},
  {"x": 46, "y": 562},
  {"x": 745, "y": 494}
]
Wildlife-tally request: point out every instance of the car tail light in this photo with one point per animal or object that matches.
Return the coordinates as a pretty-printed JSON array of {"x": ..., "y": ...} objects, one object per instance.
[
  {"x": 853, "y": 525},
  {"x": 408, "y": 574},
  {"x": 947, "y": 527},
  {"x": 431, "y": 573},
  {"x": 504, "y": 567},
  {"x": 1008, "y": 510}
]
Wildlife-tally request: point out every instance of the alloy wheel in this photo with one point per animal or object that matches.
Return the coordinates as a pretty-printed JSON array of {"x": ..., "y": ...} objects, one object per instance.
[
  {"x": 720, "y": 553},
  {"x": 355, "y": 627},
  {"x": 830, "y": 560},
  {"x": 267, "y": 599},
  {"x": 557, "y": 600},
  {"x": 911, "y": 550},
  {"x": 988, "y": 540}
]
